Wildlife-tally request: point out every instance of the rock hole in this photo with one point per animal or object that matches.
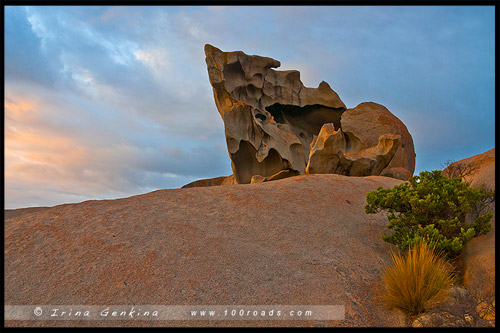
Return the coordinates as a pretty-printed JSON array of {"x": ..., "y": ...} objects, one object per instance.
[
  {"x": 260, "y": 116},
  {"x": 305, "y": 122},
  {"x": 309, "y": 117},
  {"x": 233, "y": 74},
  {"x": 245, "y": 164},
  {"x": 250, "y": 90}
]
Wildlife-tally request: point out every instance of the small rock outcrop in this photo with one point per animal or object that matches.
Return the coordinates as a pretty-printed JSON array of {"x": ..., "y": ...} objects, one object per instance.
[
  {"x": 274, "y": 123},
  {"x": 206, "y": 182},
  {"x": 280, "y": 175},
  {"x": 217, "y": 181}
]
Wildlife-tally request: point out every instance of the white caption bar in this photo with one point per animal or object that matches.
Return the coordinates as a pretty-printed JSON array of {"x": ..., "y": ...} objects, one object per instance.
[{"x": 174, "y": 312}]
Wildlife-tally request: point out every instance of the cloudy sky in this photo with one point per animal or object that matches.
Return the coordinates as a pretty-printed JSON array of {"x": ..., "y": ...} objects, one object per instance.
[{"x": 108, "y": 102}]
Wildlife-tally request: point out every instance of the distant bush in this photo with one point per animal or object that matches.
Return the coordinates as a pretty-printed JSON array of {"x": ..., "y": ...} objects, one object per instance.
[
  {"x": 417, "y": 280},
  {"x": 435, "y": 208},
  {"x": 453, "y": 169}
]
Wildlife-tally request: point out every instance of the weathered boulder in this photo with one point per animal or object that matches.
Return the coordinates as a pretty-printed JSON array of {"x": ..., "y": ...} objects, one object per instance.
[
  {"x": 363, "y": 126},
  {"x": 217, "y": 181},
  {"x": 271, "y": 119},
  {"x": 269, "y": 116},
  {"x": 229, "y": 180},
  {"x": 397, "y": 172},
  {"x": 329, "y": 154},
  {"x": 280, "y": 175}
]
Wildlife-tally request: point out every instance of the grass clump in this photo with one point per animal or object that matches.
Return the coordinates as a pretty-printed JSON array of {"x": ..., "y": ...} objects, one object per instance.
[{"x": 417, "y": 280}]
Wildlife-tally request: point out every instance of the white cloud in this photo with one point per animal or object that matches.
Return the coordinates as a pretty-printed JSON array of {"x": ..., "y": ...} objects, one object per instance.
[{"x": 156, "y": 59}]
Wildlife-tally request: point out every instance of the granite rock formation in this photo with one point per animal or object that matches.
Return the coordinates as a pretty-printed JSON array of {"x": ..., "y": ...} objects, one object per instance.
[
  {"x": 291, "y": 241},
  {"x": 272, "y": 122}
]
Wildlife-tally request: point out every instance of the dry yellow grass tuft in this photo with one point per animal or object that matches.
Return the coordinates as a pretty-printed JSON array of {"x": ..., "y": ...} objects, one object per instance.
[{"x": 417, "y": 280}]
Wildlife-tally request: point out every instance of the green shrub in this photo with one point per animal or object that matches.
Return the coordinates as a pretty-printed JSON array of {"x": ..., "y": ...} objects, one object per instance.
[
  {"x": 417, "y": 280},
  {"x": 435, "y": 208}
]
